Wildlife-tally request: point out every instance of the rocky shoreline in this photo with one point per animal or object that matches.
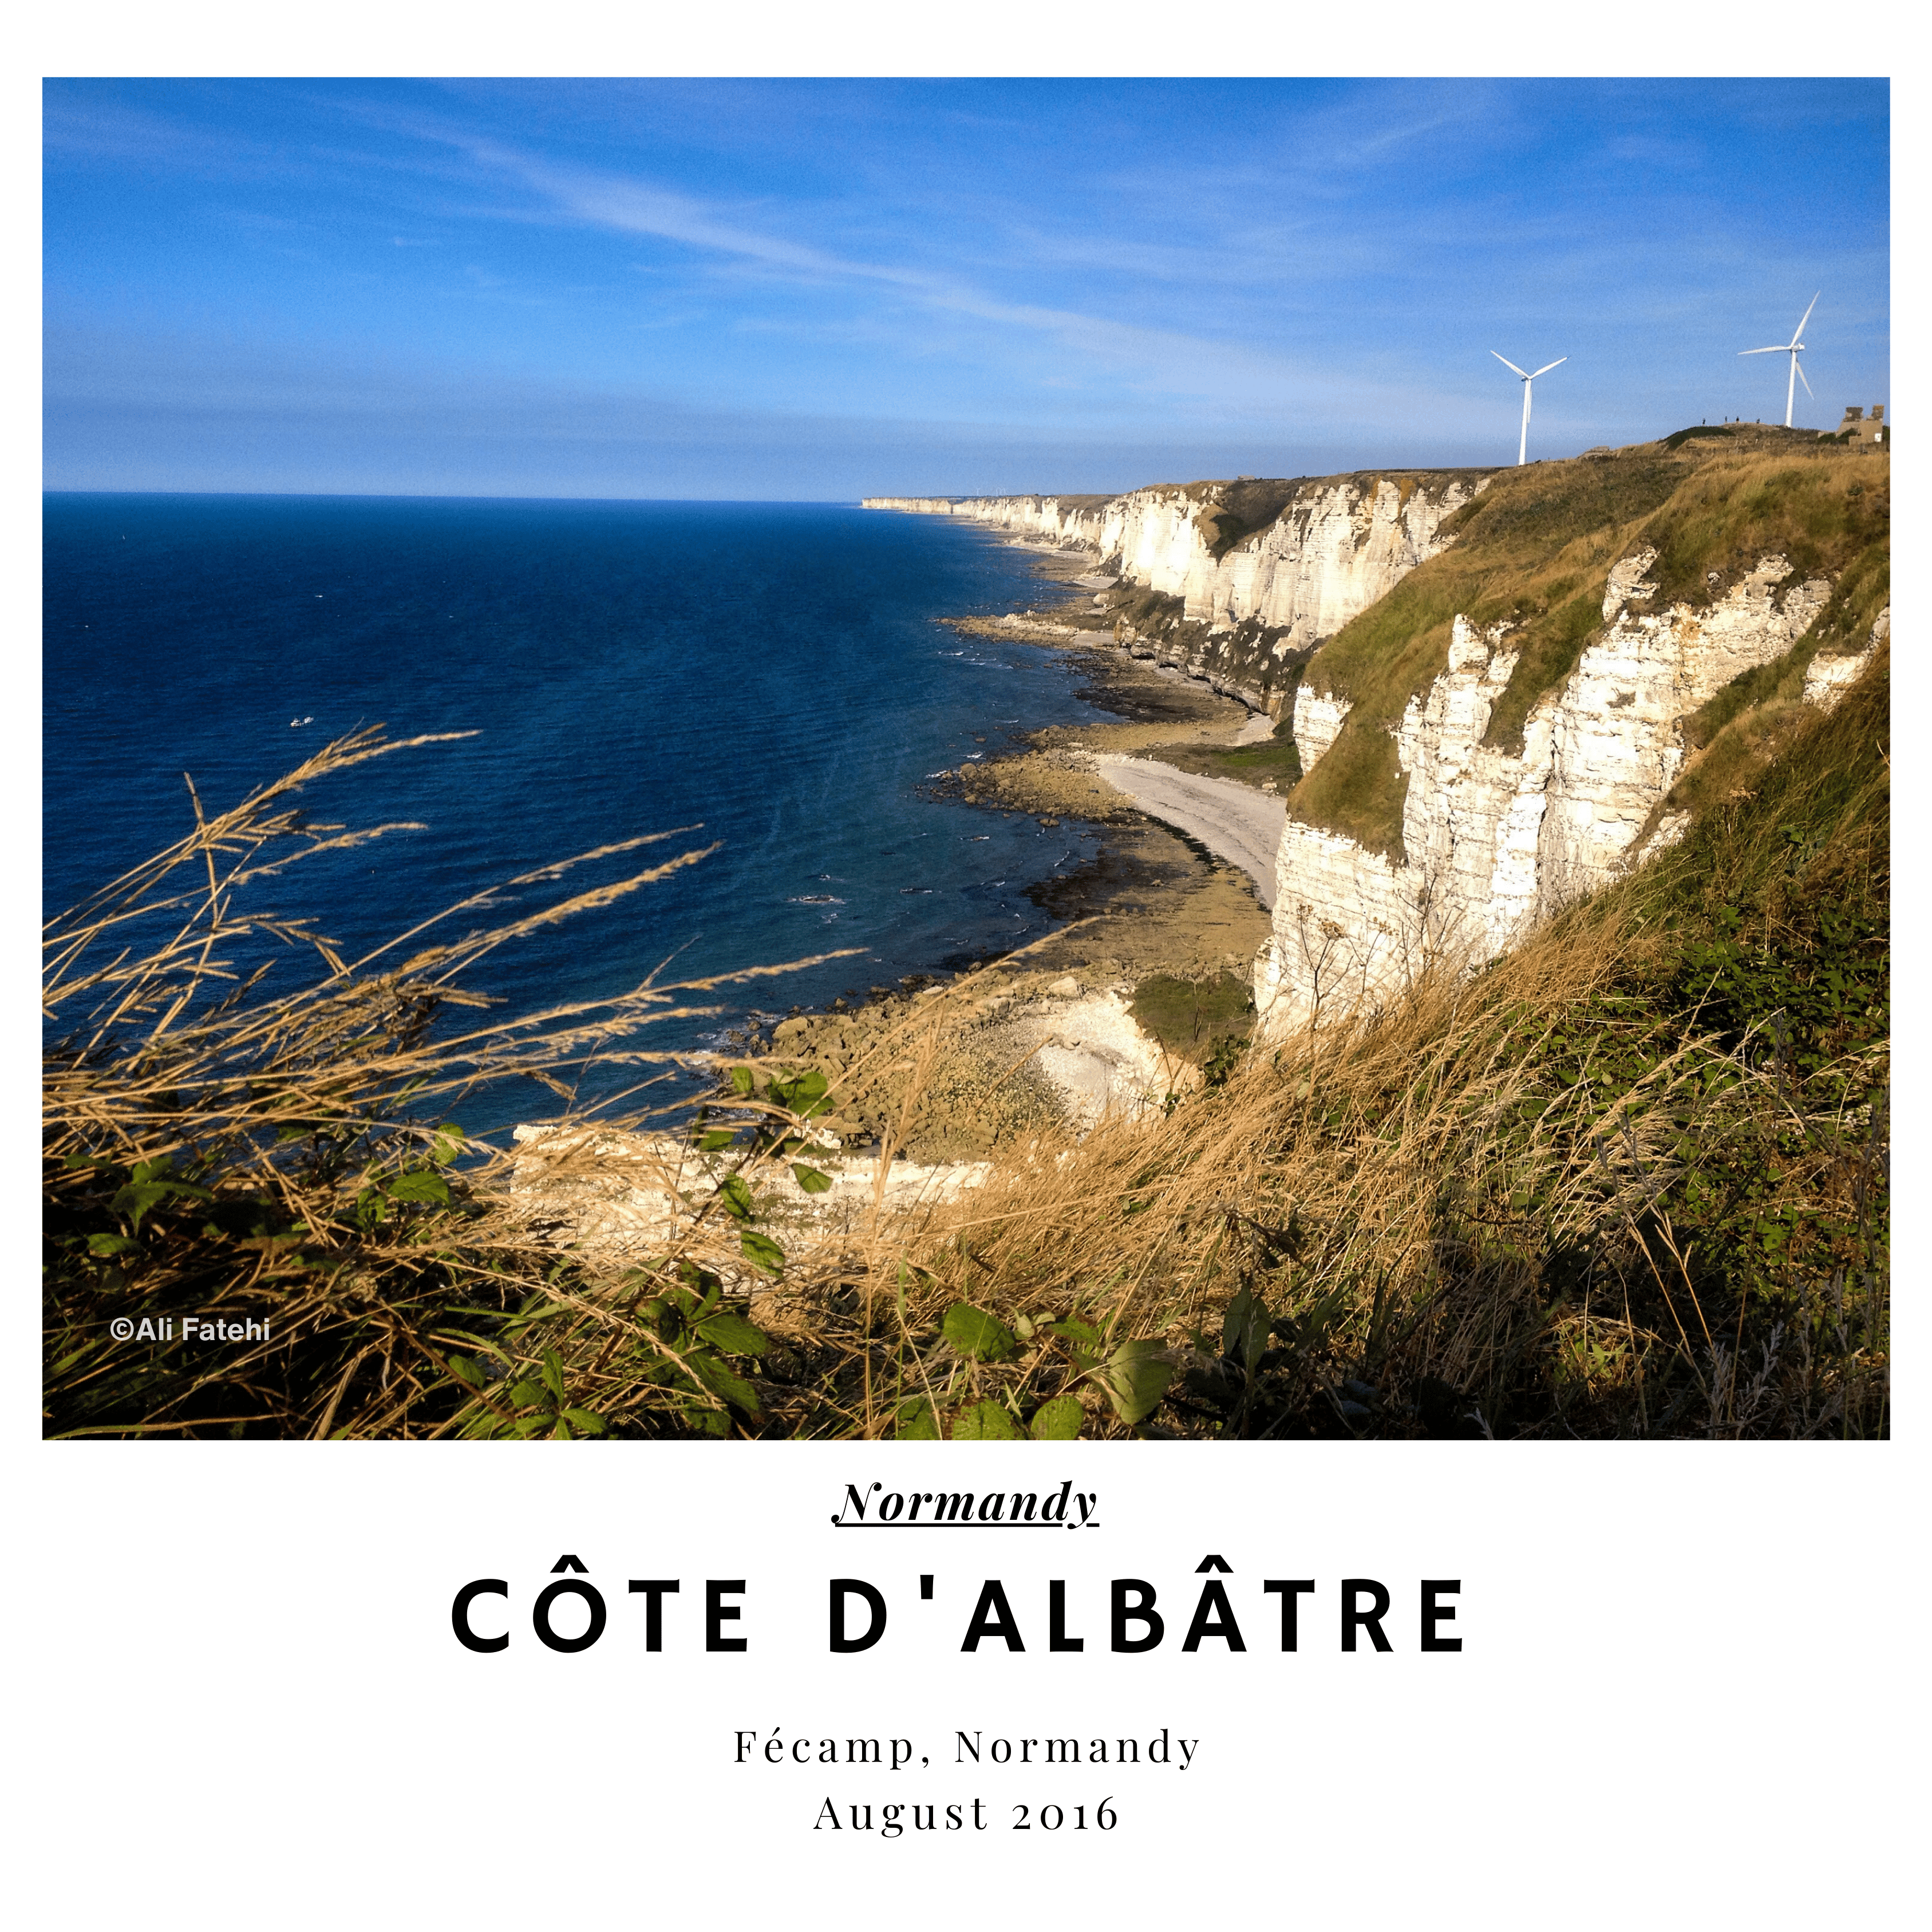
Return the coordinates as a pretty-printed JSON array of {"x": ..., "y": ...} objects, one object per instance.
[
  {"x": 1043, "y": 1040},
  {"x": 1114, "y": 1011}
]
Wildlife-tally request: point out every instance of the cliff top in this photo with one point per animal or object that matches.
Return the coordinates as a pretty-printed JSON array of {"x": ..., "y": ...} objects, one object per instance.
[
  {"x": 1534, "y": 550},
  {"x": 1240, "y": 489}
]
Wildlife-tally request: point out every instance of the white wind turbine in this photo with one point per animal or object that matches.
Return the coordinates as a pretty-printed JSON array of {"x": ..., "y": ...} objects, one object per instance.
[
  {"x": 1790, "y": 348},
  {"x": 1522, "y": 444}
]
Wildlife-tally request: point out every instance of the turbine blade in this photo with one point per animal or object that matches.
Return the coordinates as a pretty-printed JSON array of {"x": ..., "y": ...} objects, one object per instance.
[
  {"x": 1800, "y": 368},
  {"x": 1508, "y": 365},
  {"x": 1806, "y": 317},
  {"x": 1776, "y": 349},
  {"x": 1548, "y": 366}
]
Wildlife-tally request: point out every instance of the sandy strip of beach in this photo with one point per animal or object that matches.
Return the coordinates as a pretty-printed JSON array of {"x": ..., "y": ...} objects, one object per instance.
[{"x": 1235, "y": 822}]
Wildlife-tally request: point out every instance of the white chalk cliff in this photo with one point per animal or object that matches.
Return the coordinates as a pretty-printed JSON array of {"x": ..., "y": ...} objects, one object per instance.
[
  {"x": 1336, "y": 546},
  {"x": 1495, "y": 839}
]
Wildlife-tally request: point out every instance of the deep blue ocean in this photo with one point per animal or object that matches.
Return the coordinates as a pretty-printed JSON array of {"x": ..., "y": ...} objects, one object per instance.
[{"x": 772, "y": 672}]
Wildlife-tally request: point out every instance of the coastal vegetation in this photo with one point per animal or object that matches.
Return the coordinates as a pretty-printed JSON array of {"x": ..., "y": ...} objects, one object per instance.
[
  {"x": 1196, "y": 1017},
  {"x": 1274, "y": 763},
  {"x": 1630, "y": 1180},
  {"x": 246, "y": 1132},
  {"x": 1533, "y": 550}
]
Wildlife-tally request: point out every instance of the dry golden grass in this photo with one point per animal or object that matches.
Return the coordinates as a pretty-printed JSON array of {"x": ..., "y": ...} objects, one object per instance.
[
  {"x": 219, "y": 1143},
  {"x": 1389, "y": 1198},
  {"x": 1321, "y": 1166},
  {"x": 1629, "y": 1180}
]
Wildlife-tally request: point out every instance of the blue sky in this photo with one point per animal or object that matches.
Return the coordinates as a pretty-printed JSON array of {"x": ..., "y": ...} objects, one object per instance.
[{"x": 796, "y": 289}]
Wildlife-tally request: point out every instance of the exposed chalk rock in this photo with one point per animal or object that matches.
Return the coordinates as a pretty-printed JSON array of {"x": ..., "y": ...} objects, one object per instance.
[
  {"x": 1626, "y": 582},
  {"x": 620, "y": 1197},
  {"x": 1338, "y": 544},
  {"x": 1496, "y": 839},
  {"x": 1317, "y": 719},
  {"x": 1828, "y": 678},
  {"x": 1330, "y": 554},
  {"x": 1099, "y": 1059}
]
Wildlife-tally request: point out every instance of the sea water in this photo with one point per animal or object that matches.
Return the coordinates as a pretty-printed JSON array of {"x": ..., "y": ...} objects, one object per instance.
[{"x": 769, "y": 675}]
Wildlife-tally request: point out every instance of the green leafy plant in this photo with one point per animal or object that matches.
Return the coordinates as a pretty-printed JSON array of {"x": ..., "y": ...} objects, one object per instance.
[
  {"x": 1058, "y": 1420},
  {"x": 536, "y": 1406},
  {"x": 916, "y": 1421},
  {"x": 979, "y": 1336},
  {"x": 986, "y": 1422},
  {"x": 236, "y": 1130}
]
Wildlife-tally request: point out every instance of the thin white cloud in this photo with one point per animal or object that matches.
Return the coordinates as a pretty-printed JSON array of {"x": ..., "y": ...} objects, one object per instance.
[{"x": 1166, "y": 359}]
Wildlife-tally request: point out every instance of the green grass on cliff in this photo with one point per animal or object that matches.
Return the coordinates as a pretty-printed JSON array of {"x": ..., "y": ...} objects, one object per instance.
[
  {"x": 1191, "y": 1017},
  {"x": 1273, "y": 764},
  {"x": 1250, "y": 504},
  {"x": 1631, "y": 1181},
  {"x": 1534, "y": 551},
  {"x": 1823, "y": 509}
]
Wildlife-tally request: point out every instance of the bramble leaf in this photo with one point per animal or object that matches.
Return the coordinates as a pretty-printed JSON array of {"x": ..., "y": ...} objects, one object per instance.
[
  {"x": 135, "y": 1199},
  {"x": 734, "y": 1335},
  {"x": 803, "y": 1093},
  {"x": 762, "y": 1251},
  {"x": 721, "y": 1381},
  {"x": 425, "y": 1187},
  {"x": 985, "y": 1422},
  {"x": 1058, "y": 1420},
  {"x": 916, "y": 1422},
  {"x": 1136, "y": 1377},
  {"x": 974, "y": 1332}
]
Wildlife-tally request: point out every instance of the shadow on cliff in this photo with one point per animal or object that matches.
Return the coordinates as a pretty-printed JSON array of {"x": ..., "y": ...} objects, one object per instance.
[{"x": 1631, "y": 1180}]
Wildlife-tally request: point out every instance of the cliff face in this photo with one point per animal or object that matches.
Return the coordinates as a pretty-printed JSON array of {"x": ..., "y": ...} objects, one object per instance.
[
  {"x": 1517, "y": 682},
  {"x": 1496, "y": 839},
  {"x": 1252, "y": 573},
  {"x": 1073, "y": 520},
  {"x": 1334, "y": 547}
]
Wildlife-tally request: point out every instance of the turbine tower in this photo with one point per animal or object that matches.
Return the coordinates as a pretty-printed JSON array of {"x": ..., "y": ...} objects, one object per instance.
[
  {"x": 1529, "y": 376},
  {"x": 1790, "y": 348}
]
